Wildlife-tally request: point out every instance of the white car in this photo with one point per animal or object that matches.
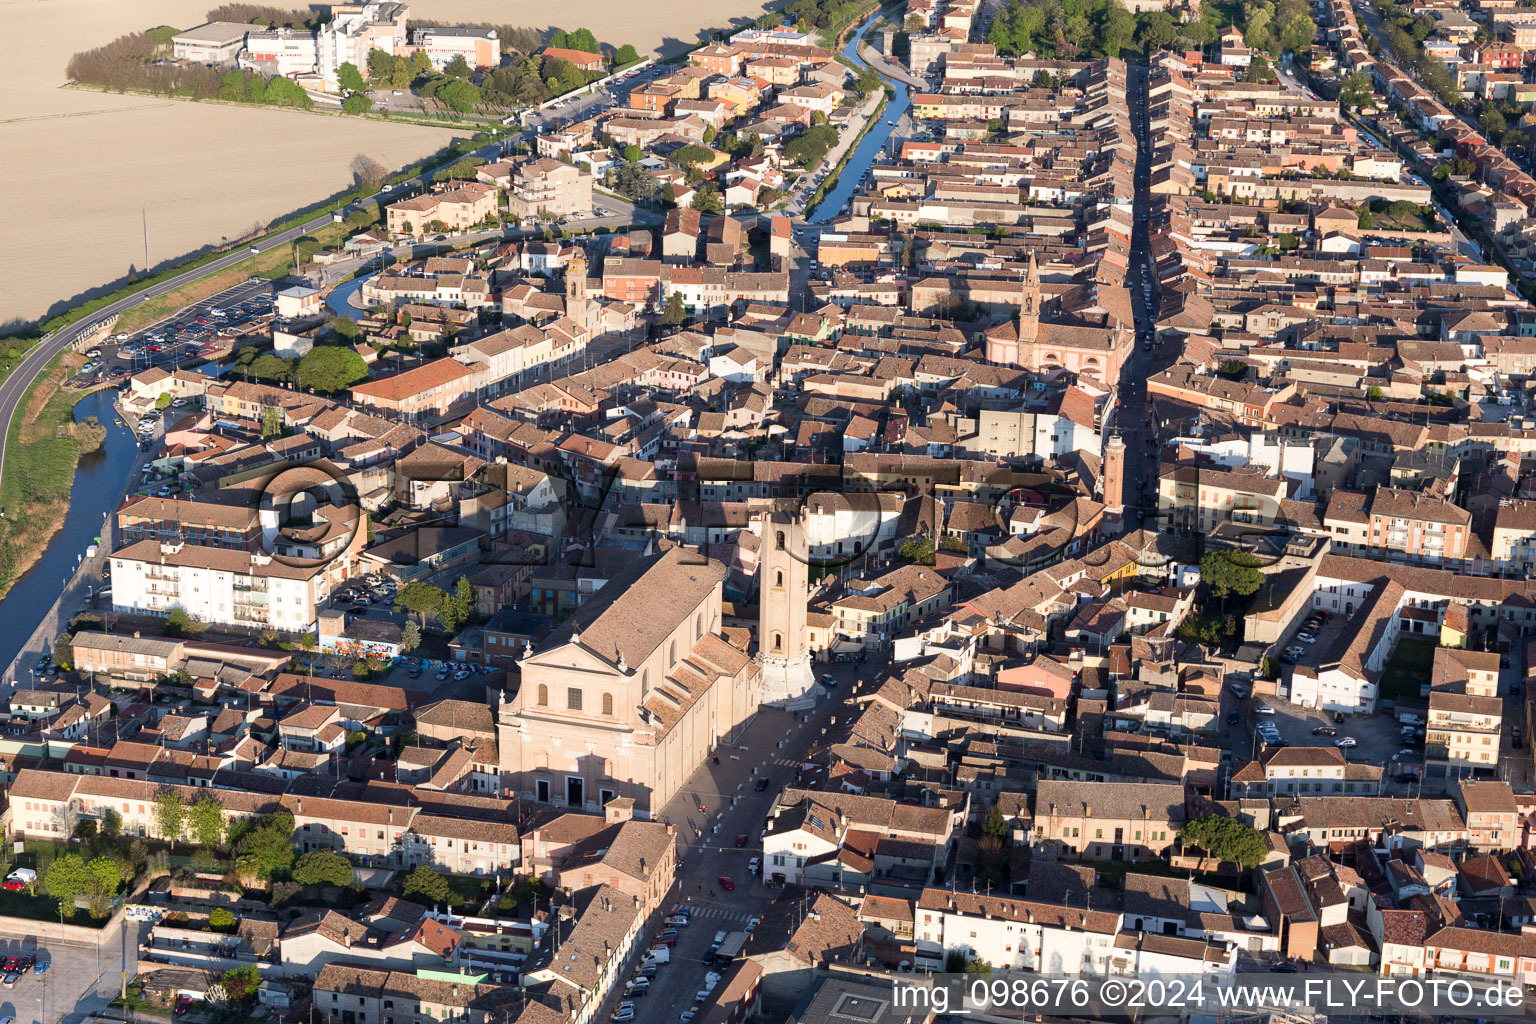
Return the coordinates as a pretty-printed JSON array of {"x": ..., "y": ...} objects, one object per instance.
[
  {"x": 1347, "y": 741},
  {"x": 1263, "y": 709}
]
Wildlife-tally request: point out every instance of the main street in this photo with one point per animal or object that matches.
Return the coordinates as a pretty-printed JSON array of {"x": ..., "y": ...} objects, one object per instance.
[
  {"x": 1132, "y": 418},
  {"x": 773, "y": 747}
]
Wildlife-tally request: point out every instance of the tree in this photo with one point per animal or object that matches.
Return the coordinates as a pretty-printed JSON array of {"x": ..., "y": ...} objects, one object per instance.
[
  {"x": 978, "y": 966},
  {"x": 410, "y": 637},
  {"x": 111, "y": 824},
  {"x": 1374, "y": 393},
  {"x": 1157, "y": 30},
  {"x": 996, "y": 824},
  {"x": 327, "y": 369},
  {"x": 349, "y": 78},
  {"x": 381, "y": 65},
  {"x": 707, "y": 200},
  {"x": 460, "y": 96},
  {"x": 163, "y": 402},
  {"x": 66, "y": 878},
  {"x": 205, "y": 821},
  {"x": 221, "y": 919},
  {"x": 170, "y": 815},
  {"x": 428, "y": 886},
  {"x": 1226, "y": 839},
  {"x": 1228, "y": 571},
  {"x": 107, "y": 874},
  {"x": 464, "y": 598},
  {"x": 368, "y": 172},
  {"x": 918, "y": 550},
  {"x": 582, "y": 39},
  {"x": 86, "y": 829},
  {"x": 323, "y": 867},
  {"x": 1356, "y": 90},
  {"x": 421, "y": 598},
  {"x": 634, "y": 181},
  {"x": 265, "y": 846},
  {"x": 693, "y": 156},
  {"x": 241, "y": 983},
  {"x": 357, "y": 103},
  {"x": 625, "y": 54},
  {"x": 633, "y": 153},
  {"x": 458, "y": 67},
  {"x": 673, "y": 313},
  {"x": 1493, "y": 124}
]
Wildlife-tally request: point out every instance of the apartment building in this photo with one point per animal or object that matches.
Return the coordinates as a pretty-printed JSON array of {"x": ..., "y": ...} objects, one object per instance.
[
  {"x": 545, "y": 189},
  {"x": 1199, "y": 497},
  {"x": 1013, "y": 934},
  {"x": 1107, "y": 820},
  {"x": 1493, "y": 819},
  {"x": 1466, "y": 713},
  {"x": 458, "y": 206},
  {"x": 1287, "y": 771},
  {"x": 429, "y": 392},
  {"x": 252, "y": 590},
  {"x": 456, "y": 833}
]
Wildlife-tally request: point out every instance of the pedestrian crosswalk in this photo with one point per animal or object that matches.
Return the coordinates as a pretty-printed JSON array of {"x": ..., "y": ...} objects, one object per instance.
[{"x": 721, "y": 914}]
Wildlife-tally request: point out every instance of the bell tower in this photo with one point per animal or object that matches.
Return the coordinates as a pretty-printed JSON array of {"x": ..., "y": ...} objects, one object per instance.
[
  {"x": 576, "y": 302},
  {"x": 1029, "y": 303},
  {"x": 783, "y": 594},
  {"x": 1114, "y": 475}
]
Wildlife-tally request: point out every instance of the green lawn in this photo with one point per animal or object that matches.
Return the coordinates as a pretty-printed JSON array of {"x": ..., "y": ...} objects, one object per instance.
[{"x": 1407, "y": 672}]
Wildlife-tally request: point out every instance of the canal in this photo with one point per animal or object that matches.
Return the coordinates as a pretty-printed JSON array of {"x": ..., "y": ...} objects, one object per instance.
[
  {"x": 873, "y": 142},
  {"x": 99, "y": 479}
]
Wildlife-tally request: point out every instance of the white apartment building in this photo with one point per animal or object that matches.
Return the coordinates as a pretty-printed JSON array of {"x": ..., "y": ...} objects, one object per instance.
[
  {"x": 849, "y": 525},
  {"x": 217, "y": 585},
  {"x": 1013, "y": 934}
]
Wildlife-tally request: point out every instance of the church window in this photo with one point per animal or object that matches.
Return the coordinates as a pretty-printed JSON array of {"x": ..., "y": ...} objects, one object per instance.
[
  {"x": 572, "y": 699},
  {"x": 607, "y": 703},
  {"x": 781, "y": 540},
  {"x": 778, "y": 578},
  {"x": 543, "y": 696},
  {"x": 672, "y": 654},
  {"x": 778, "y": 641}
]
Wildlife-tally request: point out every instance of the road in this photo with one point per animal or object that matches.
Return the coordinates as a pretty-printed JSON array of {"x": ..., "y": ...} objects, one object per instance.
[
  {"x": 1133, "y": 418},
  {"x": 772, "y": 748}
]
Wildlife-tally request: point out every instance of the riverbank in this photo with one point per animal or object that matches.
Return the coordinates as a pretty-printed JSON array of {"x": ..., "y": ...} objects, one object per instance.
[{"x": 34, "y": 497}]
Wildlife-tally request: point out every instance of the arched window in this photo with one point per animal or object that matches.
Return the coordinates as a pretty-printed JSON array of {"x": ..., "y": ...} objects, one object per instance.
[
  {"x": 778, "y": 578},
  {"x": 778, "y": 641},
  {"x": 543, "y": 696},
  {"x": 672, "y": 654},
  {"x": 698, "y": 626},
  {"x": 645, "y": 683},
  {"x": 608, "y": 704},
  {"x": 781, "y": 540}
]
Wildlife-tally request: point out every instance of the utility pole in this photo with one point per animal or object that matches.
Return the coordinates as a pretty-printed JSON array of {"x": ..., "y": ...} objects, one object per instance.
[{"x": 144, "y": 217}]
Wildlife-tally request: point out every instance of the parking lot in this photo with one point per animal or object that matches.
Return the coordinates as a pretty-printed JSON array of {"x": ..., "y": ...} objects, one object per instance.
[
  {"x": 190, "y": 336},
  {"x": 74, "y": 975}
]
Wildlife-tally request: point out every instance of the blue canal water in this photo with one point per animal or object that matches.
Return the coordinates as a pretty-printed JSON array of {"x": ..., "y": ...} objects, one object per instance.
[
  {"x": 339, "y": 300},
  {"x": 99, "y": 480},
  {"x": 873, "y": 142}
]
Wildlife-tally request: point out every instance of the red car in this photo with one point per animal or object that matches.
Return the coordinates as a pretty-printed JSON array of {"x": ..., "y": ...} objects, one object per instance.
[
  {"x": 13, "y": 885},
  {"x": 183, "y": 1006},
  {"x": 726, "y": 883},
  {"x": 741, "y": 840}
]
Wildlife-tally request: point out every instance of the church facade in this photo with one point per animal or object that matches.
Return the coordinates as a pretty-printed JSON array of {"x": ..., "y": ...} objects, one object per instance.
[
  {"x": 1042, "y": 346},
  {"x": 631, "y": 694}
]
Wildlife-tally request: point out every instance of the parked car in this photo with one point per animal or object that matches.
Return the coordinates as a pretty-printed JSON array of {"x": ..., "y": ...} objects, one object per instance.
[
  {"x": 1233, "y": 718},
  {"x": 1325, "y": 730},
  {"x": 1264, "y": 709},
  {"x": 1338, "y": 718},
  {"x": 1347, "y": 741},
  {"x": 760, "y": 785}
]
